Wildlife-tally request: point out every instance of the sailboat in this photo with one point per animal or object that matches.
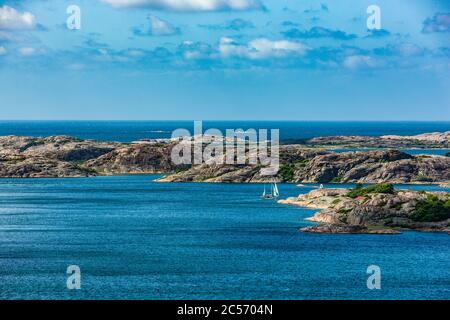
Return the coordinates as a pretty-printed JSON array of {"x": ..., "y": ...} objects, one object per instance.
[{"x": 274, "y": 193}]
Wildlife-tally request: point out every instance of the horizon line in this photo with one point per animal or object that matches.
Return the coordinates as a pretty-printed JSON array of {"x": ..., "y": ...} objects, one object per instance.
[{"x": 207, "y": 120}]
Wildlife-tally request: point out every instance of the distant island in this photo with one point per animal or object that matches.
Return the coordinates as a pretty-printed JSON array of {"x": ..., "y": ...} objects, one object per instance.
[
  {"x": 378, "y": 209},
  {"x": 308, "y": 161}
]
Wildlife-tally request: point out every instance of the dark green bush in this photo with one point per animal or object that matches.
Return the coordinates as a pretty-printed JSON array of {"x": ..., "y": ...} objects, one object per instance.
[
  {"x": 423, "y": 178},
  {"x": 359, "y": 191},
  {"x": 336, "y": 179},
  {"x": 431, "y": 210},
  {"x": 287, "y": 172}
]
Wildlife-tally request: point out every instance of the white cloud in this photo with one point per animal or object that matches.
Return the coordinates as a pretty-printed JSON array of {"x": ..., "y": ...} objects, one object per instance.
[
  {"x": 188, "y": 5},
  {"x": 2, "y": 51},
  {"x": 408, "y": 49},
  {"x": 261, "y": 48},
  {"x": 161, "y": 28},
  {"x": 11, "y": 19},
  {"x": 27, "y": 51},
  {"x": 360, "y": 61}
]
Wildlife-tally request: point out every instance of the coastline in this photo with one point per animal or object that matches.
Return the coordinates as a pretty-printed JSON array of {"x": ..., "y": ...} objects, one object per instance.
[
  {"x": 64, "y": 156},
  {"x": 379, "y": 209}
]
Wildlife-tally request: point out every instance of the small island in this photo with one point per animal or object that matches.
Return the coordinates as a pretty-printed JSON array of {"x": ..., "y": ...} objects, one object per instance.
[{"x": 377, "y": 209}]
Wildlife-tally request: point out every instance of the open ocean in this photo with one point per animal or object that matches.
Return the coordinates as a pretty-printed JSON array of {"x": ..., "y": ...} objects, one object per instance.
[
  {"x": 126, "y": 131},
  {"x": 137, "y": 239}
]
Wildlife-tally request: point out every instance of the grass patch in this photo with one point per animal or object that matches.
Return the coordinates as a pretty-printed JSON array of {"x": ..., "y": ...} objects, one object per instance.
[
  {"x": 360, "y": 191},
  {"x": 336, "y": 201}
]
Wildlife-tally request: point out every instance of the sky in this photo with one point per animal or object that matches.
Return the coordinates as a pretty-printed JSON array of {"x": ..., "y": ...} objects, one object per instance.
[{"x": 224, "y": 60}]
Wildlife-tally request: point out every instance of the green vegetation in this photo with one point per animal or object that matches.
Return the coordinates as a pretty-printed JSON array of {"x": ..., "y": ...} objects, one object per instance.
[
  {"x": 181, "y": 169},
  {"x": 360, "y": 191},
  {"x": 287, "y": 172},
  {"x": 344, "y": 211},
  {"x": 85, "y": 169},
  {"x": 423, "y": 178},
  {"x": 13, "y": 159},
  {"x": 398, "y": 206},
  {"x": 337, "y": 179},
  {"x": 301, "y": 164},
  {"x": 202, "y": 179},
  {"x": 336, "y": 201},
  {"x": 431, "y": 210},
  {"x": 343, "y": 214}
]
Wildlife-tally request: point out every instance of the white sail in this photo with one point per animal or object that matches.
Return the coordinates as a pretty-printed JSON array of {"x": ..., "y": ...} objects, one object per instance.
[
  {"x": 264, "y": 193},
  {"x": 276, "y": 193}
]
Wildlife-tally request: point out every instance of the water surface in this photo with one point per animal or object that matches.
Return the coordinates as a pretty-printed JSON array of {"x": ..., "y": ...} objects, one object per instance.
[
  {"x": 126, "y": 131},
  {"x": 136, "y": 239}
]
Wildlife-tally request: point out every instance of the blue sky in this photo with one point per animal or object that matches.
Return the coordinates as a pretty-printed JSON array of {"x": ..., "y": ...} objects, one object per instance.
[{"x": 225, "y": 59}]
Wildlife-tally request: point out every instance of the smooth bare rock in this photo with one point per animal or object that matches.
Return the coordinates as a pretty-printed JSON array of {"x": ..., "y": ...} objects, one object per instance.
[
  {"x": 135, "y": 158},
  {"x": 426, "y": 140},
  {"x": 298, "y": 163},
  {"x": 374, "y": 210},
  {"x": 381, "y": 166},
  {"x": 347, "y": 229},
  {"x": 39, "y": 167},
  {"x": 440, "y": 137},
  {"x": 57, "y": 147}
]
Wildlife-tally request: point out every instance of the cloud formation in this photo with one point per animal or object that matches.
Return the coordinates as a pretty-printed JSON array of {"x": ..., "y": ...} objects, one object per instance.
[
  {"x": 318, "y": 32},
  {"x": 188, "y": 5},
  {"x": 322, "y": 8},
  {"x": 260, "y": 48},
  {"x": 440, "y": 22},
  {"x": 158, "y": 27},
  {"x": 404, "y": 49},
  {"x": 11, "y": 19},
  {"x": 378, "y": 33},
  {"x": 235, "y": 24},
  {"x": 360, "y": 62},
  {"x": 191, "y": 50},
  {"x": 27, "y": 51}
]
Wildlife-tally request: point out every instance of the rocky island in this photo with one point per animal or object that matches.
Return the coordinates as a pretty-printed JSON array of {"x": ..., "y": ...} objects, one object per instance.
[
  {"x": 376, "y": 209},
  {"x": 62, "y": 156},
  {"x": 425, "y": 140}
]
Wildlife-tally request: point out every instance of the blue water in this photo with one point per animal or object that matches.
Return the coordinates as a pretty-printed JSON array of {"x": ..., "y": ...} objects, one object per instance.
[
  {"x": 136, "y": 239},
  {"x": 126, "y": 131}
]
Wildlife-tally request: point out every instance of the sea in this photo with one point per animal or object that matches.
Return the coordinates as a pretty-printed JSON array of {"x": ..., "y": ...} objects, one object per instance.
[{"x": 134, "y": 238}]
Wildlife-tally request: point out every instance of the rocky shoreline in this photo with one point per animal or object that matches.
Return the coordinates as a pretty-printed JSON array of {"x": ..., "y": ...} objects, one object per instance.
[
  {"x": 300, "y": 165},
  {"x": 422, "y": 141},
  {"x": 62, "y": 156},
  {"x": 377, "y": 209}
]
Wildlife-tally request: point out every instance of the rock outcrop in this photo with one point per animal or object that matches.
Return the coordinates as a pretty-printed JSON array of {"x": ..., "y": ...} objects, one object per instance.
[
  {"x": 63, "y": 156},
  {"x": 61, "y": 148},
  {"x": 343, "y": 211},
  {"x": 27, "y": 157},
  {"x": 40, "y": 167},
  {"x": 426, "y": 140},
  {"x": 299, "y": 165},
  {"x": 135, "y": 158}
]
